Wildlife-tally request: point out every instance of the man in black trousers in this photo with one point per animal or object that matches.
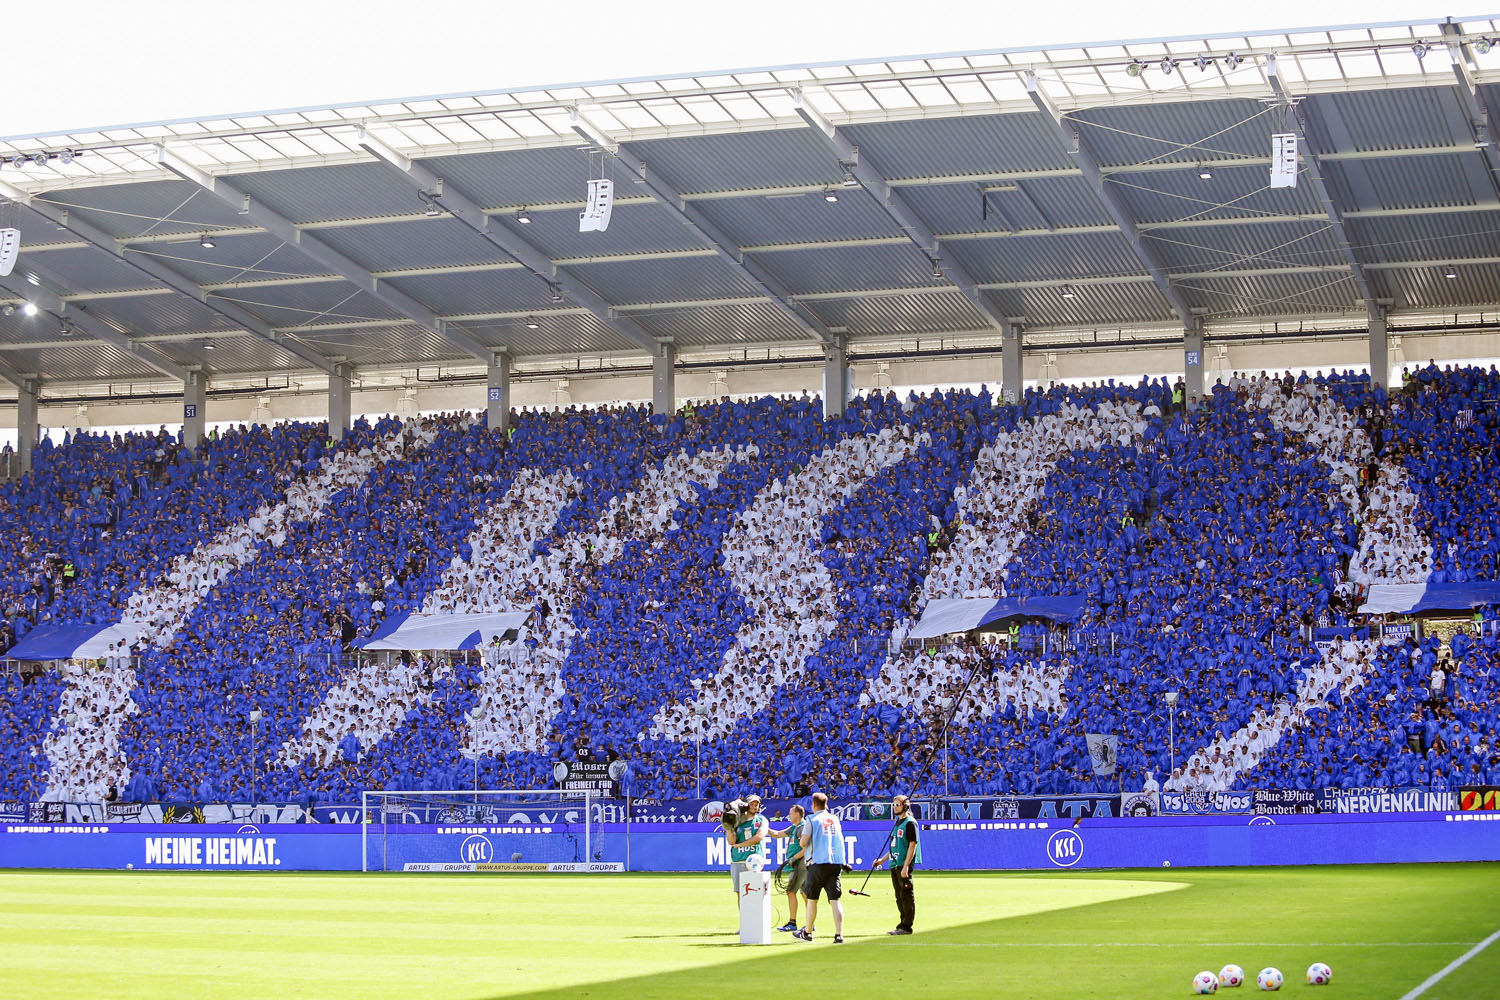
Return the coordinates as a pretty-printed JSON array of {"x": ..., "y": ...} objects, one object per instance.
[{"x": 904, "y": 854}]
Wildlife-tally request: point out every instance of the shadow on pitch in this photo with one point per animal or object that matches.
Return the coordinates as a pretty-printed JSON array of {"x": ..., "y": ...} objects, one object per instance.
[{"x": 969, "y": 959}]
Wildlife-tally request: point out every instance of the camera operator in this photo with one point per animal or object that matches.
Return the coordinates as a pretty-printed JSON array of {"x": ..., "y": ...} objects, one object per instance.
[{"x": 746, "y": 830}]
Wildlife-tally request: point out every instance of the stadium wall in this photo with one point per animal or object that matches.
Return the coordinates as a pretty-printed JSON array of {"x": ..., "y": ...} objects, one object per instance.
[{"x": 1193, "y": 841}]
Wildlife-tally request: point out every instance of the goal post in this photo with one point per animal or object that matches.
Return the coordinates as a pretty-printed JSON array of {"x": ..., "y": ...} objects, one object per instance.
[{"x": 522, "y": 830}]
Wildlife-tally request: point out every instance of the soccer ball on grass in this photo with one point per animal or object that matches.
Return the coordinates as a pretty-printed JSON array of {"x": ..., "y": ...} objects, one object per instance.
[
  {"x": 1231, "y": 975},
  {"x": 1319, "y": 974},
  {"x": 1269, "y": 979},
  {"x": 1205, "y": 982}
]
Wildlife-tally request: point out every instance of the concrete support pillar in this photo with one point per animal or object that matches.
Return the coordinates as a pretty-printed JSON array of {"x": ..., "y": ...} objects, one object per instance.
[
  {"x": 1380, "y": 356},
  {"x": 338, "y": 402},
  {"x": 838, "y": 379},
  {"x": 194, "y": 398},
  {"x": 1011, "y": 373},
  {"x": 498, "y": 406},
  {"x": 664, "y": 379},
  {"x": 1192, "y": 362},
  {"x": 26, "y": 426}
]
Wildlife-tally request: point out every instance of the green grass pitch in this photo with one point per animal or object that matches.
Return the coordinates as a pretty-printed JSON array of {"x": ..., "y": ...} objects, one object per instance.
[{"x": 1123, "y": 934}]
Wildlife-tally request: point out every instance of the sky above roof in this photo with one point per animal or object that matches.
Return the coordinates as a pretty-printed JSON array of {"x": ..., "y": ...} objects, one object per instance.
[{"x": 108, "y": 63}]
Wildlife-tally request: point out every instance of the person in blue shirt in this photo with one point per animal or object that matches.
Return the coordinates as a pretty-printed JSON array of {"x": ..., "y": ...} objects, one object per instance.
[{"x": 823, "y": 840}]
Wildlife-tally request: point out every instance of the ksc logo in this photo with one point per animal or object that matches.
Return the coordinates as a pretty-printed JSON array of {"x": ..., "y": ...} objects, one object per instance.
[
  {"x": 1064, "y": 848},
  {"x": 476, "y": 851}
]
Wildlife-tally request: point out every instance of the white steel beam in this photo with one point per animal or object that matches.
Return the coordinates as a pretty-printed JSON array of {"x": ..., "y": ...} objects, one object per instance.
[
  {"x": 1073, "y": 144},
  {"x": 691, "y": 216},
  {"x": 78, "y": 316},
  {"x": 157, "y": 271},
  {"x": 872, "y": 179},
  {"x": 283, "y": 228},
  {"x": 1480, "y": 112},
  {"x": 490, "y": 229},
  {"x": 1294, "y": 116}
]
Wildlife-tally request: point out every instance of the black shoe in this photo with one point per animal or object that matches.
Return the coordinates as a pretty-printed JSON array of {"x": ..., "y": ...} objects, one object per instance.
[
  {"x": 838, "y": 939},
  {"x": 898, "y": 932},
  {"x": 802, "y": 935}
]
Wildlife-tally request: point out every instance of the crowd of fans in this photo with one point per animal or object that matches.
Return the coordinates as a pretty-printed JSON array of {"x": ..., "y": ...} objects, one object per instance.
[{"x": 720, "y": 596}]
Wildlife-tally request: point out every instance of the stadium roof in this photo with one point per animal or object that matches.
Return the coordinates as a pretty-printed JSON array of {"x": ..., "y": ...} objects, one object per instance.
[{"x": 1116, "y": 190}]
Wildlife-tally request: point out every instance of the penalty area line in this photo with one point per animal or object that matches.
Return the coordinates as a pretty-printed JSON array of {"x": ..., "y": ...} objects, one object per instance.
[{"x": 1438, "y": 976}]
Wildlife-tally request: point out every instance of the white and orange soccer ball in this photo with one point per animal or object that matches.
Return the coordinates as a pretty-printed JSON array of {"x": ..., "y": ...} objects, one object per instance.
[
  {"x": 1231, "y": 976},
  {"x": 1319, "y": 974},
  {"x": 1205, "y": 983},
  {"x": 1269, "y": 979}
]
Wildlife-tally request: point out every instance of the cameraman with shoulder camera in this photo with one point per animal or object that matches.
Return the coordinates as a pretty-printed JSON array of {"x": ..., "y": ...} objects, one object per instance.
[{"x": 745, "y": 829}]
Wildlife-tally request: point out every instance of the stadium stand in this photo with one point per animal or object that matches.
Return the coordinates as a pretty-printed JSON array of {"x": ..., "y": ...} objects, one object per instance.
[{"x": 705, "y": 591}]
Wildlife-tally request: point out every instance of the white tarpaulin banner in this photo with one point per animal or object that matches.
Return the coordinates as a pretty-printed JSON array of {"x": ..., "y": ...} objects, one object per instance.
[
  {"x": 952, "y": 614},
  {"x": 458, "y": 631}
]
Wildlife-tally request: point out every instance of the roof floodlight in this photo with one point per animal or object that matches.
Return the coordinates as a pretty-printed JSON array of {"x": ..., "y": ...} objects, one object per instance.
[
  {"x": 523, "y": 218},
  {"x": 1482, "y": 45},
  {"x": 39, "y": 159},
  {"x": 1068, "y": 292},
  {"x": 1203, "y": 62},
  {"x": 1204, "y": 173},
  {"x": 1450, "y": 273},
  {"x": 1232, "y": 60},
  {"x": 1420, "y": 50},
  {"x": 849, "y": 180},
  {"x": 29, "y": 309},
  {"x": 206, "y": 242},
  {"x": 830, "y": 196},
  {"x": 1168, "y": 65},
  {"x": 1135, "y": 68},
  {"x": 531, "y": 323},
  {"x": 66, "y": 157}
]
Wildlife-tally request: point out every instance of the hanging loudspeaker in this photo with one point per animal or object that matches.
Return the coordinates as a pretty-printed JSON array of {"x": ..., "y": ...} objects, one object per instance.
[
  {"x": 595, "y": 215},
  {"x": 10, "y": 249}
]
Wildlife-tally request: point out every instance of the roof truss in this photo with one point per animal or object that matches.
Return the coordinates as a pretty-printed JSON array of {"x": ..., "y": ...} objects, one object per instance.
[
  {"x": 77, "y": 315},
  {"x": 490, "y": 229},
  {"x": 1074, "y": 145},
  {"x": 1293, "y": 114},
  {"x": 693, "y": 217},
  {"x": 283, "y": 228},
  {"x": 172, "y": 279},
  {"x": 867, "y": 173}
]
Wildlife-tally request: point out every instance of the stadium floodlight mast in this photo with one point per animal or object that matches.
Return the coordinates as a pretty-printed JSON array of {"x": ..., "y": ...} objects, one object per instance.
[
  {"x": 700, "y": 710},
  {"x": 255, "y": 716},
  {"x": 1171, "y": 699}
]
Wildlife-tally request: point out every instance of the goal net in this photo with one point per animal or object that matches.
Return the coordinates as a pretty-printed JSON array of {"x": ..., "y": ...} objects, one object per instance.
[{"x": 483, "y": 831}]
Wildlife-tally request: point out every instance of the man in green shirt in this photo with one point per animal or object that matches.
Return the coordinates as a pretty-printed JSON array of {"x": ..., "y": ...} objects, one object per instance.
[
  {"x": 905, "y": 852},
  {"x": 747, "y": 841},
  {"x": 795, "y": 863}
]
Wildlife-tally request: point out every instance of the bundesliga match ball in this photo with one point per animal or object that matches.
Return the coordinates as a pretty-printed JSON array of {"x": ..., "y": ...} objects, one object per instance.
[
  {"x": 1319, "y": 974},
  {"x": 754, "y": 863},
  {"x": 1269, "y": 979},
  {"x": 1231, "y": 976},
  {"x": 1205, "y": 982}
]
